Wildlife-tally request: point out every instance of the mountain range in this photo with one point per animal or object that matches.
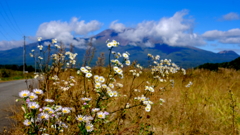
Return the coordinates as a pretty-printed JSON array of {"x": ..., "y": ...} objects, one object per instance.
[{"x": 184, "y": 56}]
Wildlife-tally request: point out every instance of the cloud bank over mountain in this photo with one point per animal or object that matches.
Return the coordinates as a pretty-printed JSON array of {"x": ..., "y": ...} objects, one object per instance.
[
  {"x": 67, "y": 31},
  {"x": 6, "y": 45},
  {"x": 174, "y": 31}
]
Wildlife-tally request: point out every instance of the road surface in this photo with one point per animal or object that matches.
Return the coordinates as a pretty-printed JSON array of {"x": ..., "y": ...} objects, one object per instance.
[{"x": 8, "y": 94}]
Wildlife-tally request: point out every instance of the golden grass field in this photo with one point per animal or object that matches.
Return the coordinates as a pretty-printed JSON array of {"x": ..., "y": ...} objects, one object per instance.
[{"x": 209, "y": 106}]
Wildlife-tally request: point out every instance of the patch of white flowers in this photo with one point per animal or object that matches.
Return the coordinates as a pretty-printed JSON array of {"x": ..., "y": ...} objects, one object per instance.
[{"x": 40, "y": 115}]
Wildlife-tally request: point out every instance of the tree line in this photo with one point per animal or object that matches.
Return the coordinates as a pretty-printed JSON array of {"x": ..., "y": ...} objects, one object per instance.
[
  {"x": 15, "y": 67},
  {"x": 235, "y": 64}
]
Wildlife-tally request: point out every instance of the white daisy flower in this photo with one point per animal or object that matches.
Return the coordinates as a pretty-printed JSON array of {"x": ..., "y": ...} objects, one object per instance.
[
  {"x": 146, "y": 102},
  {"x": 51, "y": 111},
  {"x": 142, "y": 98},
  {"x": 24, "y": 93},
  {"x": 127, "y": 105},
  {"x": 31, "y": 55},
  {"x": 43, "y": 116},
  {"x": 115, "y": 68},
  {"x": 88, "y": 118},
  {"x": 39, "y": 38},
  {"x": 101, "y": 115},
  {"x": 115, "y": 93},
  {"x": 80, "y": 118},
  {"x": 95, "y": 109},
  {"x": 101, "y": 79},
  {"x": 119, "y": 54},
  {"x": 151, "y": 89},
  {"x": 37, "y": 91},
  {"x": 115, "y": 43},
  {"x": 54, "y": 41},
  {"x": 40, "y": 47},
  {"x": 49, "y": 100},
  {"x": 119, "y": 85},
  {"x": 27, "y": 122},
  {"x": 162, "y": 100},
  {"x": 111, "y": 85},
  {"x": 88, "y": 75},
  {"x": 148, "y": 108},
  {"x": 58, "y": 107},
  {"x": 96, "y": 77},
  {"x": 98, "y": 85},
  {"x": 110, "y": 93},
  {"x": 33, "y": 105},
  {"x": 88, "y": 67},
  {"x": 110, "y": 44},
  {"x": 86, "y": 99},
  {"x": 65, "y": 110},
  {"x": 62, "y": 124},
  {"x": 89, "y": 127},
  {"x": 46, "y": 108},
  {"x": 119, "y": 71},
  {"x": 128, "y": 62},
  {"x": 57, "y": 46},
  {"x": 125, "y": 55},
  {"x": 104, "y": 86},
  {"x": 33, "y": 96},
  {"x": 84, "y": 70}
]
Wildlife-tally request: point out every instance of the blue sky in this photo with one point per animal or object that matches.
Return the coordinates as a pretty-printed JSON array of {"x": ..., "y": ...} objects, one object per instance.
[{"x": 212, "y": 25}]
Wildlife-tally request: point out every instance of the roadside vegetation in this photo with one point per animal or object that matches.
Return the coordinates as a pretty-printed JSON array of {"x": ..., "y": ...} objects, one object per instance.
[
  {"x": 15, "y": 72},
  {"x": 126, "y": 98},
  {"x": 8, "y": 75}
]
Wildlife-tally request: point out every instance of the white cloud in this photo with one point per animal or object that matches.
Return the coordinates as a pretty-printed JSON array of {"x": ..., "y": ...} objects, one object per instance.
[
  {"x": 6, "y": 45},
  {"x": 231, "y": 16},
  {"x": 66, "y": 31},
  {"x": 119, "y": 27},
  {"x": 82, "y": 28},
  {"x": 227, "y": 37},
  {"x": 175, "y": 31}
]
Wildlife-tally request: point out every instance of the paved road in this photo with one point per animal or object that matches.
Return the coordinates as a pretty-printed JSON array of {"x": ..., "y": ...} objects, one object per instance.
[{"x": 8, "y": 94}]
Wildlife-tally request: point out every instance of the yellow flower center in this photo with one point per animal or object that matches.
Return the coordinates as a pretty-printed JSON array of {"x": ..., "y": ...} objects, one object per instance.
[
  {"x": 24, "y": 94},
  {"x": 80, "y": 119},
  {"x": 64, "y": 111},
  {"x": 88, "y": 127}
]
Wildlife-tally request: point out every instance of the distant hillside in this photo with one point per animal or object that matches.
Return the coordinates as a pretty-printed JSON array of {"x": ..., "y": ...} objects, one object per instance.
[
  {"x": 184, "y": 56},
  {"x": 235, "y": 64}
]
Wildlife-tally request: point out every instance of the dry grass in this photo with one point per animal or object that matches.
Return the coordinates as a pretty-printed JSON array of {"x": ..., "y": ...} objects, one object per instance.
[{"x": 203, "y": 108}]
